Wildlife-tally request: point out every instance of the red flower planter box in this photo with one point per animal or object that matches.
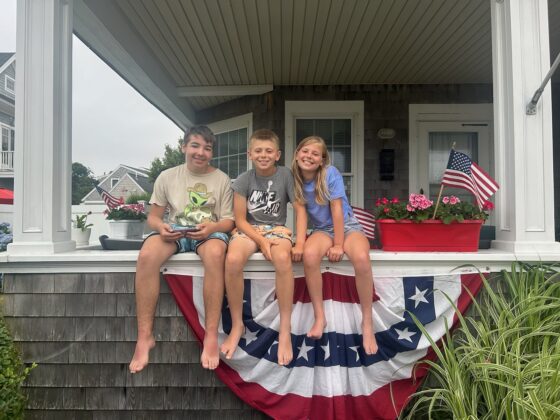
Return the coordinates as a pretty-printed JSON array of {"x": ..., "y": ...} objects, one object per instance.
[{"x": 429, "y": 235}]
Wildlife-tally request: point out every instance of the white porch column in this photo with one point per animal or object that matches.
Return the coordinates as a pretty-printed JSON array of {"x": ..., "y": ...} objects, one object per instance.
[
  {"x": 43, "y": 127},
  {"x": 523, "y": 143}
]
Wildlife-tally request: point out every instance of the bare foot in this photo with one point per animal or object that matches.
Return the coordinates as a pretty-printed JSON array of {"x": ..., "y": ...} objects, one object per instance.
[
  {"x": 228, "y": 347},
  {"x": 316, "y": 331},
  {"x": 141, "y": 355},
  {"x": 210, "y": 357},
  {"x": 369, "y": 342},
  {"x": 285, "y": 351}
]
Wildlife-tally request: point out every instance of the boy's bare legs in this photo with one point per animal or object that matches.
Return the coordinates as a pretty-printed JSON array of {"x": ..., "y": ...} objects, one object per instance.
[
  {"x": 213, "y": 254},
  {"x": 239, "y": 251},
  {"x": 153, "y": 254},
  {"x": 282, "y": 261},
  {"x": 316, "y": 247},
  {"x": 356, "y": 246}
]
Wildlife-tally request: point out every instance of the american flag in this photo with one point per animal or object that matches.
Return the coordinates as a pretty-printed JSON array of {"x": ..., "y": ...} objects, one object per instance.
[
  {"x": 367, "y": 221},
  {"x": 110, "y": 200},
  {"x": 331, "y": 378},
  {"x": 462, "y": 172}
]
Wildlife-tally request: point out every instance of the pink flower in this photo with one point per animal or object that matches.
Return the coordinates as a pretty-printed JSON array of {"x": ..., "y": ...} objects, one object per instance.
[
  {"x": 445, "y": 200},
  {"x": 378, "y": 202},
  {"x": 384, "y": 200},
  {"x": 386, "y": 210},
  {"x": 488, "y": 206},
  {"x": 454, "y": 200},
  {"x": 394, "y": 200},
  {"x": 409, "y": 207}
]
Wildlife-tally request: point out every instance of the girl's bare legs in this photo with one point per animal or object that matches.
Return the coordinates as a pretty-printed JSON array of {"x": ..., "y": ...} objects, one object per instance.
[
  {"x": 239, "y": 251},
  {"x": 282, "y": 260},
  {"x": 356, "y": 247},
  {"x": 316, "y": 247}
]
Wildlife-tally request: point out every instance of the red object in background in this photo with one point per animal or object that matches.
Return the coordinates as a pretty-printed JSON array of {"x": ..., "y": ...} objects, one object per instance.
[
  {"x": 6, "y": 196},
  {"x": 429, "y": 235}
]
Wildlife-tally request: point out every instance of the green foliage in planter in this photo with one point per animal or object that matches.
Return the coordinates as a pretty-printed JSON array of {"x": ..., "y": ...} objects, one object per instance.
[
  {"x": 135, "y": 198},
  {"x": 504, "y": 363},
  {"x": 12, "y": 374}
]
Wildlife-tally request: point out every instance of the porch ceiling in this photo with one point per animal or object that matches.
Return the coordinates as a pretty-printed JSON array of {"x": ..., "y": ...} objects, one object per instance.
[{"x": 216, "y": 43}]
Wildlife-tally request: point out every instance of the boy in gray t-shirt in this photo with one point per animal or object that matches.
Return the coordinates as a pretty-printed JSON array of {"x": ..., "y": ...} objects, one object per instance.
[{"x": 261, "y": 196}]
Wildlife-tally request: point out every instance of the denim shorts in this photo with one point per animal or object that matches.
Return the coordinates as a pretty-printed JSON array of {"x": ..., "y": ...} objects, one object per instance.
[
  {"x": 190, "y": 245},
  {"x": 351, "y": 225}
]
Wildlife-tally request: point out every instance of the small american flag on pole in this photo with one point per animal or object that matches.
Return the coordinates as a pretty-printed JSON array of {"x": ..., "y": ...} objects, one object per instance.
[
  {"x": 462, "y": 172},
  {"x": 110, "y": 200}
]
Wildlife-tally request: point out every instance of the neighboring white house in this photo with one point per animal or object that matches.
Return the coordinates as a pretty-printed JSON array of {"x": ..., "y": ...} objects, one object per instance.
[
  {"x": 7, "y": 120},
  {"x": 123, "y": 181}
]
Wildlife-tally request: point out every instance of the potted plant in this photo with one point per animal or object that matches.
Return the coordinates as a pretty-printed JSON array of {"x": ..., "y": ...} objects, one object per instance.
[
  {"x": 126, "y": 221},
  {"x": 416, "y": 226},
  {"x": 81, "y": 229}
]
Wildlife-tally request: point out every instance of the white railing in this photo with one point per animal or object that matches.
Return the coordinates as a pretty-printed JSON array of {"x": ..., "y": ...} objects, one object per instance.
[{"x": 6, "y": 161}]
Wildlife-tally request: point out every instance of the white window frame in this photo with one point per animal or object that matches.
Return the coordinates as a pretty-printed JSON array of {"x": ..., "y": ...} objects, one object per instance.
[
  {"x": 235, "y": 123},
  {"x": 420, "y": 117},
  {"x": 353, "y": 110},
  {"x": 10, "y": 130},
  {"x": 114, "y": 182},
  {"x": 6, "y": 84}
]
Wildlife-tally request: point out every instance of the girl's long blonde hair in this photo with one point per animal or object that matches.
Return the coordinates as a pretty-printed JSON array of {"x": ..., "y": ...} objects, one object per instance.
[{"x": 321, "y": 188}]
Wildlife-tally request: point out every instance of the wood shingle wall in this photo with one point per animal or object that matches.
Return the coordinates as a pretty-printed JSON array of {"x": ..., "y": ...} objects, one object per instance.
[{"x": 81, "y": 330}]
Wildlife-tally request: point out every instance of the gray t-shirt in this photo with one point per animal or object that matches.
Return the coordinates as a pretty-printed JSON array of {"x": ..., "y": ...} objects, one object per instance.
[{"x": 267, "y": 197}]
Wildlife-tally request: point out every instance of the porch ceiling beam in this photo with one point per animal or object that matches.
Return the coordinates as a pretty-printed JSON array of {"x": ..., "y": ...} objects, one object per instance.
[
  {"x": 102, "y": 26},
  {"x": 230, "y": 90}
]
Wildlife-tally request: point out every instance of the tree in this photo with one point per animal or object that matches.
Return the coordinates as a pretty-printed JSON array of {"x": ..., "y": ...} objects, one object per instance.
[
  {"x": 172, "y": 157},
  {"x": 82, "y": 182}
]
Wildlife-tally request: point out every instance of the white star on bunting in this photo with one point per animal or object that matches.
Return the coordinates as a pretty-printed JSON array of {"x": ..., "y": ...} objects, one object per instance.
[
  {"x": 355, "y": 348},
  {"x": 250, "y": 336},
  {"x": 420, "y": 296},
  {"x": 327, "y": 349},
  {"x": 304, "y": 349},
  {"x": 405, "y": 334}
]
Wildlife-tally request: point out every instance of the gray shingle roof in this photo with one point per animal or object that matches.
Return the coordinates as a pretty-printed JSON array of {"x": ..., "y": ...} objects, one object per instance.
[{"x": 5, "y": 56}]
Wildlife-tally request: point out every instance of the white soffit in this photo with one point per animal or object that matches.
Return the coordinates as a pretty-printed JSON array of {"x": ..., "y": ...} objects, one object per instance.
[{"x": 228, "y": 45}]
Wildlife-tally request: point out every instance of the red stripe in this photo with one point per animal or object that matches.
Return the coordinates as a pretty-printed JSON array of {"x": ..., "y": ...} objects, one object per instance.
[{"x": 335, "y": 287}]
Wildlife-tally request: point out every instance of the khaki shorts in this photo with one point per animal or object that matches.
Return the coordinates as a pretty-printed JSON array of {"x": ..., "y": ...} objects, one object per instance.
[{"x": 268, "y": 231}]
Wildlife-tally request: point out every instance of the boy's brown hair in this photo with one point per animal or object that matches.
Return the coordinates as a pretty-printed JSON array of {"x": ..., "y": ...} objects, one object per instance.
[{"x": 265, "y": 134}]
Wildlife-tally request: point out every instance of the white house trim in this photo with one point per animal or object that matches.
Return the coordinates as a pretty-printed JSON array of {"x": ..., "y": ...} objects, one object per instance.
[
  {"x": 331, "y": 109},
  {"x": 523, "y": 143},
  {"x": 6, "y": 79},
  {"x": 191, "y": 91}
]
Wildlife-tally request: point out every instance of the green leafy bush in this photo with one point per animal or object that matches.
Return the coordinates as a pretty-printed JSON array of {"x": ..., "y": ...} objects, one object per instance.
[
  {"x": 503, "y": 363},
  {"x": 135, "y": 198},
  {"x": 12, "y": 374}
]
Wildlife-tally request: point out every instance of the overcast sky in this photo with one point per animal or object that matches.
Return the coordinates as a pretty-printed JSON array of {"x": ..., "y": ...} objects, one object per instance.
[{"x": 111, "y": 122}]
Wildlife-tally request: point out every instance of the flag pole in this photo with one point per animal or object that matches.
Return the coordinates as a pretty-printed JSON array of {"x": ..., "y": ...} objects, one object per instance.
[{"x": 441, "y": 189}]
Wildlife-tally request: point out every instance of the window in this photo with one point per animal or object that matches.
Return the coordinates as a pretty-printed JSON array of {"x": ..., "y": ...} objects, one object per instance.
[
  {"x": 337, "y": 133},
  {"x": 114, "y": 181},
  {"x": 230, "y": 150},
  {"x": 10, "y": 84},
  {"x": 8, "y": 134},
  {"x": 341, "y": 125}
]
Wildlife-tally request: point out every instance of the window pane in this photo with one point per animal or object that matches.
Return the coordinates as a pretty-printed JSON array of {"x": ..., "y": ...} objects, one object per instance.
[
  {"x": 243, "y": 144},
  {"x": 342, "y": 135},
  {"x": 348, "y": 187},
  {"x": 242, "y": 164},
  {"x": 233, "y": 168},
  {"x": 233, "y": 142},
  {"x": 324, "y": 129},
  {"x": 341, "y": 158},
  {"x": 304, "y": 128}
]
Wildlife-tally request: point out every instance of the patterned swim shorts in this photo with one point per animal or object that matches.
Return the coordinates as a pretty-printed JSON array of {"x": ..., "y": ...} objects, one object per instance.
[{"x": 268, "y": 231}]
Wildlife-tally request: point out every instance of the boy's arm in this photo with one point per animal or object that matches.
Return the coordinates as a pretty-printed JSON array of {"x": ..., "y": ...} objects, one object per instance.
[
  {"x": 336, "y": 252},
  {"x": 301, "y": 230},
  {"x": 155, "y": 222}
]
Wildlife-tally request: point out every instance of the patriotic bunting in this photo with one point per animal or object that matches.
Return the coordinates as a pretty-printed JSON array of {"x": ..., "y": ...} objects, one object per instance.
[{"x": 331, "y": 378}]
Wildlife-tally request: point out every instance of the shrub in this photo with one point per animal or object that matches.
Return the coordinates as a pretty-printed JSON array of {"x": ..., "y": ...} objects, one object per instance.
[
  {"x": 504, "y": 363},
  {"x": 6, "y": 236},
  {"x": 12, "y": 374},
  {"x": 135, "y": 198}
]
